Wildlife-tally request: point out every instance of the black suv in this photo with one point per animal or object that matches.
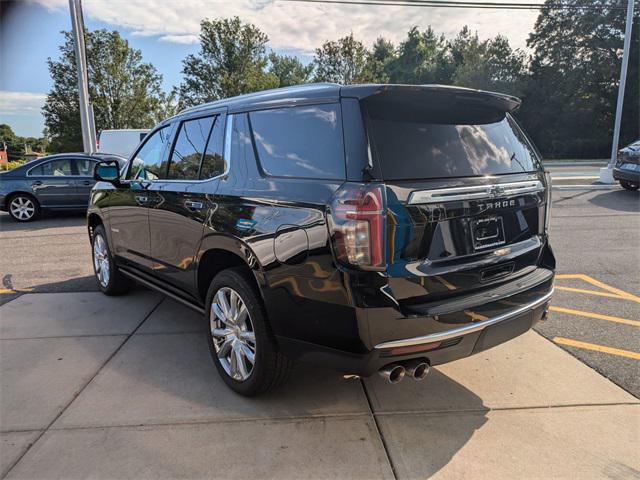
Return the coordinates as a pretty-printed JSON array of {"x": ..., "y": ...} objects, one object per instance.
[{"x": 369, "y": 228}]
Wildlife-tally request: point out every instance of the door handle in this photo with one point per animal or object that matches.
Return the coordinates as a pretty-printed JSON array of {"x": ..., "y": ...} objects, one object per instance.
[
  {"x": 87, "y": 182},
  {"x": 141, "y": 199},
  {"x": 191, "y": 205},
  {"x": 36, "y": 183}
]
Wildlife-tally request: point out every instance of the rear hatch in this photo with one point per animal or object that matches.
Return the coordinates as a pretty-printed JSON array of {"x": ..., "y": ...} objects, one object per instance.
[{"x": 464, "y": 189}]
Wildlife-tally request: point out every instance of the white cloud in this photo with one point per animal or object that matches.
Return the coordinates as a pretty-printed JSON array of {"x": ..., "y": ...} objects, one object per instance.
[
  {"x": 21, "y": 103},
  {"x": 186, "y": 39},
  {"x": 301, "y": 27}
]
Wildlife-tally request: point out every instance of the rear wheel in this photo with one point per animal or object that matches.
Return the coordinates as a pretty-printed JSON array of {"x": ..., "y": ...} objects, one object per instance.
[
  {"x": 23, "y": 207},
  {"x": 241, "y": 343},
  {"x": 110, "y": 280},
  {"x": 627, "y": 185}
]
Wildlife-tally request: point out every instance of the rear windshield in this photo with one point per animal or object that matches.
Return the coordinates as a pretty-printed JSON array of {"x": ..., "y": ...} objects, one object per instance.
[{"x": 414, "y": 148}]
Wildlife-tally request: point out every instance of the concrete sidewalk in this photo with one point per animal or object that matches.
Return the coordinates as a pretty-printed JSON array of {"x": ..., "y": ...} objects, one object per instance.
[{"x": 101, "y": 387}]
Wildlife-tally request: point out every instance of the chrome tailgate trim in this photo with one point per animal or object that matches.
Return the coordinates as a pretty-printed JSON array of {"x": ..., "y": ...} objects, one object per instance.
[{"x": 477, "y": 192}]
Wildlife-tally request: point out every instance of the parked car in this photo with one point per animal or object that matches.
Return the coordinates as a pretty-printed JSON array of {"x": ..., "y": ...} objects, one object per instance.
[
  {"x": 121, "y": 142},
  {"x": 627, "y": 169},
  {"x": 55, "y": 182},
  {"x": 369, "y": 228}
]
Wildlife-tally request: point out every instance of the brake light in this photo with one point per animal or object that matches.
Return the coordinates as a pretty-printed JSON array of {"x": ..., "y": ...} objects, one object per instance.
[{"x": 357, "y": 220}]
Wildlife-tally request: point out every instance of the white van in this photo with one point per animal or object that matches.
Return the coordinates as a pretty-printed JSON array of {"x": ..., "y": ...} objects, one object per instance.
[{"x": 121, "y": 142}]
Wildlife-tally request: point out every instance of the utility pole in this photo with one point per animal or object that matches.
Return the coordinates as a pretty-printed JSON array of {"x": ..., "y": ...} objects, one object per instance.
[
  {"x": 86, "y": 117},
  {"x": 606, "y": 173}
]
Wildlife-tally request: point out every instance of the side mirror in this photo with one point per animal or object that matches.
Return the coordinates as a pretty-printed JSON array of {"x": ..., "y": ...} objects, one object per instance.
[{"x": 107, "y": 172}]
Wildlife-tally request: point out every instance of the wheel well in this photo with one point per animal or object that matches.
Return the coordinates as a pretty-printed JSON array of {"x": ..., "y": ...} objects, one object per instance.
[
  {"x": 13, "y": 194},
  {"x": 212, "y": 263},
  {"x": 93, "y": 221}
]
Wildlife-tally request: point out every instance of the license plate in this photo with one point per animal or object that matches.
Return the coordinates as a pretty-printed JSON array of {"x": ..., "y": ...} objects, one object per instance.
[
  {"x": 631, "y": 166},
  {"x": 487, "y": 232}
]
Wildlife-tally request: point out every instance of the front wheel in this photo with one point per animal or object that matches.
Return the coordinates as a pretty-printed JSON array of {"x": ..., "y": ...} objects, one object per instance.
[
  {"x": 110, "y": 280},
  {"x": 241, "y": 343},
  {"x": 627, "y": 185}
]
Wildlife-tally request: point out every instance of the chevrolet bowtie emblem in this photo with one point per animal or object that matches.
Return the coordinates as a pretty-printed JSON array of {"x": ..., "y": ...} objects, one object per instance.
[{"x": 495, "y": 190}]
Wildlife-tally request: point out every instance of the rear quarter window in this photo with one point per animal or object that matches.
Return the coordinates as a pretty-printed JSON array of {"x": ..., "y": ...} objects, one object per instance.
[{"x": 300, "y": 142}]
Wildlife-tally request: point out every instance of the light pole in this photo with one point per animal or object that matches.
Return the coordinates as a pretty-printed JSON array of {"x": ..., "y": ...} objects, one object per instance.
[
  {"x": 606, "y": 173},
  {"x": 86, "y": 117}
]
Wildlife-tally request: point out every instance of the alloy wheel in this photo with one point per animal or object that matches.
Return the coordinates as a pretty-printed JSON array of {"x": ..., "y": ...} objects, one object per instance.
[
  {"x": 22, "y": 208},
  {"x": 233, "y": 335},
  {"x": 101, "y": 260}
]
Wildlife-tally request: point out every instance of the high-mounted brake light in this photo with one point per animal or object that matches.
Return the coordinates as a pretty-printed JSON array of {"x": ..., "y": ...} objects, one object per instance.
[{"x": 357, "y": 220}]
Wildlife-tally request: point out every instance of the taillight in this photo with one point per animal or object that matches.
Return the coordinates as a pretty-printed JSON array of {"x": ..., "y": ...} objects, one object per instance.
[
  {"x": 357, "y": 222},
  {"x": 547, "y": 207}
]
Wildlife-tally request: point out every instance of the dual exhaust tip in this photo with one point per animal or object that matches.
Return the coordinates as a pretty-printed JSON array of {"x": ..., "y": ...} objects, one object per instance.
[{"x": 394, "y": 372}]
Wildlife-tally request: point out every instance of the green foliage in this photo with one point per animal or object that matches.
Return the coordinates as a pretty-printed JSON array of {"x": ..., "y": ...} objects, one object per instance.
[
  {"x": 421, "y": 59},
  {"x": 570, "y": 99},
  {"x": 342, "y": 61},
  {"x": 125, "y": 91},
  {"x": 11, "y": 165},
  {"x": 16, "y": 145},
  {"x": 232, "y": 60},
  {"x": 486, "y": 65},
  {"x": 289, "y": 70}
]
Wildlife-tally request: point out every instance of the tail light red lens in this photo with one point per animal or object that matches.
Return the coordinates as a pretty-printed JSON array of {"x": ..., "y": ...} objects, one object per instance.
[{"x": 357, "y": 220}]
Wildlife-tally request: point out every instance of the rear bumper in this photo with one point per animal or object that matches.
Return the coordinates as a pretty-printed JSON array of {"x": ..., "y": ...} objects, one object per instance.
[
  {"x": 620, "y": 174},
  {"x": 512, "y": 316}
]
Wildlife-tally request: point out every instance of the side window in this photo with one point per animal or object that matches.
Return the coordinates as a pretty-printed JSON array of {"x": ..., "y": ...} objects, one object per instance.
[
  {"x": 188, "y": 149},
  {"x": 213, "y": 162},
  {"x": 303, "y": 142},
  {"x": 54, "y": 168},
  {"x": 85, "y": 167},
  {"x": 148, "y": 162}
]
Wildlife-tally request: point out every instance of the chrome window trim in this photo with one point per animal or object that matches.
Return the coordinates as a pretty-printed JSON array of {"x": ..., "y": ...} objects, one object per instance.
[
  {"x": 477, "y": 192},
  {"x": 466, "y": 329},
  {"x": 228, "y": 129},
  {"x": 28, "y": 174}
]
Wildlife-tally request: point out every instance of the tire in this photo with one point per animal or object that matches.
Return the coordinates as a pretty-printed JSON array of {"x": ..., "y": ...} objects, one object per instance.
[
  {"x": 23, "y": 207},
  {"x": 109, "y": 279},
  {"x": 248, "y": 336},
  {"x": 627, "y": 185}
]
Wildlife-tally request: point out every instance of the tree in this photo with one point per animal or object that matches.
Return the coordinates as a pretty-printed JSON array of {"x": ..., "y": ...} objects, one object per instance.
[
  {"x": 342, "y": 61},
  {"x": 16, "y": 145},
  {"x": 289, "y": 70},
  {"x": 124, "y": 91},
  {"x": 232, "y": 60},
  {"x": 421, "y": 59},
  {"x": 377, "y": 65},
  {"x": 487, "y": 65},
  {"x": 570, "y": 98}
]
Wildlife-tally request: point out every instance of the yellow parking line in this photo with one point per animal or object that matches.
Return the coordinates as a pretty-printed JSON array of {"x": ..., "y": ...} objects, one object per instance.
[
  {"x": 591, "y": 292},
  {"x": 9, "y": 291},
  {"x": 609, "y": 318},
  {"x": 596, "y": 348},
  {"x": 599, "y": 284}
]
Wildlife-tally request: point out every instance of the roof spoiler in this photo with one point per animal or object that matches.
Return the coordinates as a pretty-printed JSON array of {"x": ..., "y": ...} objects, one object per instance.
[{"x": 429, "y": 94}]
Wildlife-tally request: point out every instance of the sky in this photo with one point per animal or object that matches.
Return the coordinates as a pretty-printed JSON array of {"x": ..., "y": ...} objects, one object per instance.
[{"x": 167, "y": 30}]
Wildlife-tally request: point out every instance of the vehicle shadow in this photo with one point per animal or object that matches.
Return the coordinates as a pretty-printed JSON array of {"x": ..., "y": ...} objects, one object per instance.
[
  {"x": 619, "y": 200},
  {"x": 45, "y": 221}
]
